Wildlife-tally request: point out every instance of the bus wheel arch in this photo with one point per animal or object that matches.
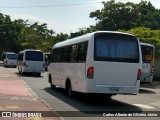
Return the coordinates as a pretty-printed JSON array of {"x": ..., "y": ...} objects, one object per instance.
[{"x": 69, "y": 87}]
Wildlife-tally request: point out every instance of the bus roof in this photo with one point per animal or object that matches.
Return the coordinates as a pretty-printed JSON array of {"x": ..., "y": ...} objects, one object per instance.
[
  {"x": 81, "y": 38},
  {"x": 147, "y": 44},
  {"x": 29, "y": 50},
  {"x": 9, "y": 53}
]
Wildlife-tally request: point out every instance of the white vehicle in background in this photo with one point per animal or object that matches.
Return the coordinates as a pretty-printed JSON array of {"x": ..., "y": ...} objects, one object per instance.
[
  {"x": 102, "y": 62},
  {"x": 31, "y": 61},
  {"x": 147, "y": 62},
  {"x": 9, "y": 59}
]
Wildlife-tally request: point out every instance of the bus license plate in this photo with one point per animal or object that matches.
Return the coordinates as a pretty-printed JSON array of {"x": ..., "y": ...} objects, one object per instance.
[{"x": 114, "y": 89}]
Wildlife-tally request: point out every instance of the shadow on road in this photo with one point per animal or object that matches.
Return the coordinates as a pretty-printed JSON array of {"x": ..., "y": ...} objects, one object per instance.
[
  {"x": 95, "y": 103},
  {"x": 28, "y": 75},
  {"x": 144, "y": 91}
]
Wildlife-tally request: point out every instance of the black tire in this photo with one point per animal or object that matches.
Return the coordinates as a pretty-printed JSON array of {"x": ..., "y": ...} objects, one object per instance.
[
  {"x": 108, "y": 96},
  {"x": 69, "y": 89},
  {"x": 51, "y": 84},
  {"x": 5, "y": 65},
  {"x": 38, "y": 74},
  {"x": 19, "y": 71}
]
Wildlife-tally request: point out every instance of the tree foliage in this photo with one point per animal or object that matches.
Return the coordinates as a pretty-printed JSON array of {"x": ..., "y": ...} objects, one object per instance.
[
  {"x": 142, "y": 20},
  {"x": 120, "y": 15},
  {"x": 18, "y": 35},
  {"x": 8, "y": 34},
  {"x": 148, "y": 36}
]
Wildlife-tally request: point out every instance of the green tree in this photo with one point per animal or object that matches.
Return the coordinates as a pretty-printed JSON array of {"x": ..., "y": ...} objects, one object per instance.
[
  {"x": 37, "y": 37},
  {"x": 148, "y": 36},
  {"x": 18, "y": 35},
  {"x": 148, "y": 16},
  {"x": 119, "y": 15},
  {"x": 60, "y": 37},
  {"x": 8, "y": 34},
  {"x": 83, "y": 31}
]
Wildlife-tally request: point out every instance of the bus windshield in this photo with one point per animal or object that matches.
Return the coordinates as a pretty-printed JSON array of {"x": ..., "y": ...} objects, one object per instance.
[
  {"x": 147, "y": 53},
  {"x": 34, "y": 56},
  {"x": 11, "y": 56},
  {"x": 116, "y": 48}
]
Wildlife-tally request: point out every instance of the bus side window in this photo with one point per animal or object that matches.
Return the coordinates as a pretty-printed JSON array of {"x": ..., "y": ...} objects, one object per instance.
[
  {"x": 73, "y": 53},
  {"x": 51, "y": 56},
  {"x": 62, "y": 54},
  {"x": 68, "y": 53},
  {"x": 77, "y": 56},
  {"x": 54, "y": 55},
  {"x": 83, "y": 51}
]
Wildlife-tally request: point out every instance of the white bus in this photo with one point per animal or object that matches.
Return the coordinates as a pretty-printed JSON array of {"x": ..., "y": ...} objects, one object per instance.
[
  {"x": 10, "y": 59},
  {"x": 147, "y": 62},
  {"x": 103, "y": 62},
  {"x": 31, "y": 61}
]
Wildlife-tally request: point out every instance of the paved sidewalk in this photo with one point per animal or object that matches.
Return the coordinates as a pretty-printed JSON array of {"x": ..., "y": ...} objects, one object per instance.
[{"x": 17, "y": 100}]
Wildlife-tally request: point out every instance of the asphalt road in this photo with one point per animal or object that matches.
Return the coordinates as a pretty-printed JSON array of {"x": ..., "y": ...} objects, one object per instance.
[{"x": 147, "y": 100}]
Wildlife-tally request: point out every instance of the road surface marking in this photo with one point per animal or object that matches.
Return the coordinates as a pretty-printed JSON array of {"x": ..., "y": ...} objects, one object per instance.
[
  {"x": 12, "y": 107},
  {"x": 2, "y": 108},
  {"x": 144, "y": 106},
  {"x": 34, "y": 118},
  {"x": 5, "y": 75},
  {"x": 157, "y": 104},
  {"x": 8, "y": 108}
]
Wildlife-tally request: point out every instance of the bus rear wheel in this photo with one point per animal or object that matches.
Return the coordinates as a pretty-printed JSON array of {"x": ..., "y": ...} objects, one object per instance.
[
  {"x": 69, "y": 89},
  {"x": 51, "y": 84},
  {"x": 38, "y": 74},
  {"x": 5, "y": 65}
]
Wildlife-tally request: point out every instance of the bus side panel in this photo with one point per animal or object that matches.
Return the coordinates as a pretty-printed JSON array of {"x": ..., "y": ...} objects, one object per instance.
[{"x": 74, "y": 71}]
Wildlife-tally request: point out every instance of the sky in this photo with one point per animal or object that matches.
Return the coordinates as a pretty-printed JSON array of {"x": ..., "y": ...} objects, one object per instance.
[{"x": 62, "y": 16}]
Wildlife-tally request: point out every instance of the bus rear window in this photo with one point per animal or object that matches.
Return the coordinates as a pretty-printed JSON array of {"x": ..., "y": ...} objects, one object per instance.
[
  {"x": 116, "y": 47},
  {"x": 11, "y": 56},
  {"x": 34, "y": 56},
  {"x": 147, "y": 53}
]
